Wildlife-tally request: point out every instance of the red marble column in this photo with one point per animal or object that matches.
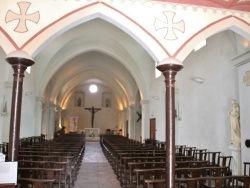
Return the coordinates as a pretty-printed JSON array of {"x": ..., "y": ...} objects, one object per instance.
[
  {"x": 170, "y": 71},
  {"x": 19, "y": 65}
]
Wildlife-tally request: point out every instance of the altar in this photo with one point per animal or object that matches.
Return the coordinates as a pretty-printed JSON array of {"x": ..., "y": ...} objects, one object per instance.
[{"x": 92, "y": 134}]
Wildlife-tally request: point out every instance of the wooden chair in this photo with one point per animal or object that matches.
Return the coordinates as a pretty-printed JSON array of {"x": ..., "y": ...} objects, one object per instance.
[
  {"x": 240, "y": 181},
  {"x": 246, "y": 168},
  {"x": 189, "y": 151},
  {"x": 212, "y": 158},
  {"x": 200, "y": 154},
  {"x": 179, "y": 149},
  {"x": 225, "y": 161}
]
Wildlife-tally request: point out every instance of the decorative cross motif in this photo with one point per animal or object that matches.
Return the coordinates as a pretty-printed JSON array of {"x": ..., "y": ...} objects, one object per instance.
[
  {"x": 170, "y": 25},
  {"x": 22, "y": 17}
]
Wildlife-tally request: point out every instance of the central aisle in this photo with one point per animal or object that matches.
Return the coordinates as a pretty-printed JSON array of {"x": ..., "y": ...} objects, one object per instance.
[{"x": 95, "y": 171}]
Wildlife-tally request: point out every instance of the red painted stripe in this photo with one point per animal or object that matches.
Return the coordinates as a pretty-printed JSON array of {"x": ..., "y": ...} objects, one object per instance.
[
  {"x": 140, "y": 27},
  {"x": 9, "y": 38},
  {"x": 53, "y": 23},
  {"x": 210, "y": 25},
  {"x": 232, "y": 4},
  {"x": 92, "y": 4}
]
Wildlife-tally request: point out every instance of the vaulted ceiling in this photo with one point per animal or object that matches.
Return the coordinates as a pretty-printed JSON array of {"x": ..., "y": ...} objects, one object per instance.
[{"x": 97, "y": 52}]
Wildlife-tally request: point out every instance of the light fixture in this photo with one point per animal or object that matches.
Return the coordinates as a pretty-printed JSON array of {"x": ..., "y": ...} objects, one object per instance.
[
  {"x": 4, "y": 110},
  {"x": 198, "y": 79},
  {"x": 4, "y": 107},
  {"x": 93, "y": 88},
  {"x": 28, "y": 93},
  {"x": 155, "y": 97}
]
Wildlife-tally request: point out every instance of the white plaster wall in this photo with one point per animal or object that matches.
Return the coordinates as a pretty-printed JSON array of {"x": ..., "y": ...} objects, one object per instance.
[
  {"x": 157, "y": 106},
  {"x": 2, "y": 95},
  {"x": 27, "y": 124},
  {"x": 244, "y": 112},
  {"x": 204, "y": 107}
]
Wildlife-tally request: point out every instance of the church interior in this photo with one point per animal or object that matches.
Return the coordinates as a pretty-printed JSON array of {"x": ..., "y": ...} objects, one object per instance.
[{"x": 91, "y": 72}]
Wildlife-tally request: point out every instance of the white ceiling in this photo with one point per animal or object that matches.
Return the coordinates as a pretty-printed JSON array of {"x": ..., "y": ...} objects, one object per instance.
[{"x": 95, "y": 51}]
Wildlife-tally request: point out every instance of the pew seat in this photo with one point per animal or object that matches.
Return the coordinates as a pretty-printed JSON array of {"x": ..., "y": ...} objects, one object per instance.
[{"x": 36, "y": 183}]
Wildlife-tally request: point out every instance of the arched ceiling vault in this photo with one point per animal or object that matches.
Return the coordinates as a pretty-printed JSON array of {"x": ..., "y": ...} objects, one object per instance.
[{"x": 94, "y": 50}]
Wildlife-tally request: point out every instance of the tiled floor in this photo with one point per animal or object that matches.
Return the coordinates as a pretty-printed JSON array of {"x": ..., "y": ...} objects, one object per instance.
[{"x": 95, "y": 171}]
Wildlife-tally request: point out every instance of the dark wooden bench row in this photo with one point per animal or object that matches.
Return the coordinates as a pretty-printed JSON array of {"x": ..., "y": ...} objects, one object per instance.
[
  {"x": 121, "y": 151},
  {"x": 159, "y": 173},
  {"x": 207, "y": 182},
  {"x": 51, "y": 163}
]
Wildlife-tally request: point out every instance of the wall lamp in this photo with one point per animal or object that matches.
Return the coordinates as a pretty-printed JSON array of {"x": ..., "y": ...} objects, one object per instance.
[{"x": 198, "y": 79}]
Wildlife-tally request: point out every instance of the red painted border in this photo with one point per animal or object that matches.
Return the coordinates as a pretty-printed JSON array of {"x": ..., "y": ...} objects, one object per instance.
[
  {"x": 92, "y": 4},
  {"x": 9, "y": 38},
  {"x": 203, "y": 29},
  {"x": 53, "y": 23},
  {"x": 231, "y": 4},
  {"x": 140, "y": 27}
]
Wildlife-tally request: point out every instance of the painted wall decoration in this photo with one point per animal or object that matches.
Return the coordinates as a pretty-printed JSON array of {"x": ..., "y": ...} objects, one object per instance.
[
  {"x": 79, "y": 99},
  {"x": 73, "y": 124},
  {"x": 170, "y": 25},
  {"x": 107, "y": 100},
  {"x": 23, "y": 17},
  {"x": 246, "y": 78}
]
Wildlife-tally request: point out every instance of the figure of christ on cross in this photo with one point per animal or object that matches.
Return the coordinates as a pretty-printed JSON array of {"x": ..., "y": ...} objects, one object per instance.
[{"x": 93, "y": 110}]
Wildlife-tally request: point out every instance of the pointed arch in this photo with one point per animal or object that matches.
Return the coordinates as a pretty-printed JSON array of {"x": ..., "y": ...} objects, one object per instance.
[
  {"x": 227, "y": 23},
  {"x": 96, "y": 10}
]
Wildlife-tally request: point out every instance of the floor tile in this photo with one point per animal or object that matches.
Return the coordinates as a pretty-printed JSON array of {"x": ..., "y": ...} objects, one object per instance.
[{"x": 95, "y": 171}]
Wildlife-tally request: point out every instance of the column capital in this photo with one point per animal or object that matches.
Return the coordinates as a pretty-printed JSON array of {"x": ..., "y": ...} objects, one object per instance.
[
  {"x": 19, "y": 57},
  {"x": 169, "y": 60},
  {"x": 169, "y": 64}
]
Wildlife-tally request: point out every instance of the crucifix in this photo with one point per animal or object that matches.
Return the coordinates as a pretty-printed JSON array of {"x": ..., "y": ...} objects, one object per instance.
[{"x": 93, "y": 110}]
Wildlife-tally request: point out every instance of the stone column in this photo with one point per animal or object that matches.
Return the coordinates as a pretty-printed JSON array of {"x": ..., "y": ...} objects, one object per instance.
[
  {"x": 169, "y": 68},
  {"x": 45, "y": 119},
  {"x": 19, "y": 61},
  {"x": 125, "y": 116},
  {"x": 131, "y": 122},
  {"x": 59, "y": 118},
  {"x": 121, "y": 121},
  {"x": 145, "y": 119},
  {"x": 38, "y": 115},
  {"x": 51, "y": 128}
]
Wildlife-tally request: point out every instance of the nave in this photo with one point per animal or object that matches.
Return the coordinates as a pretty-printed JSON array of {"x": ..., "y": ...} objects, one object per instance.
[{"x": 95, "y": 171}]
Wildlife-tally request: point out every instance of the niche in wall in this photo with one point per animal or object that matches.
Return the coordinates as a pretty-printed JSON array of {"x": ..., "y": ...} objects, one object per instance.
[
  {"x": 107, "y": 100},
  {"x": 79, "y": 99}
]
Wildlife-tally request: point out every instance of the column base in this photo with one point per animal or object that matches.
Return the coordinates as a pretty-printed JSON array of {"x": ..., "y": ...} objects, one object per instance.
[{"x": 236, "y": 163}]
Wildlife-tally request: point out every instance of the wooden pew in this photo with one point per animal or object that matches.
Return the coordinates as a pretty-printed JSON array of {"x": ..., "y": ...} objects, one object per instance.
[
  {"x": 36, "y": 183},
  {"x": 65, "y": 176},
  {"x": 39, "y": 176},
  {"x": 142, "y": 174},
  {"x": 131, "y": 180},
  {"x": 67, "y": 150},
  {"x": 208, "y": 182}
]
